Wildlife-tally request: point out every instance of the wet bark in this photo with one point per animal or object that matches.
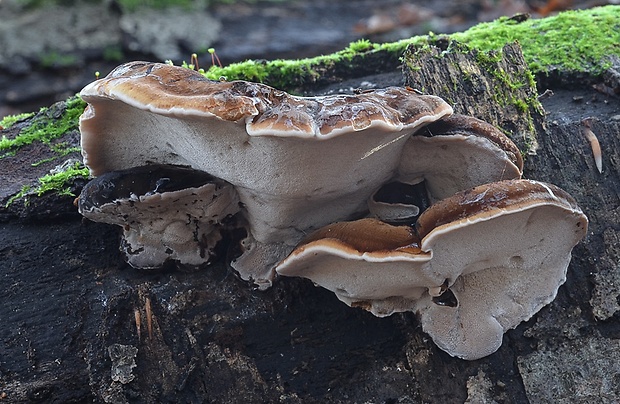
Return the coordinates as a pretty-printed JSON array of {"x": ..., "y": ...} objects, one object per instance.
[{"x": 79, "y": 325}]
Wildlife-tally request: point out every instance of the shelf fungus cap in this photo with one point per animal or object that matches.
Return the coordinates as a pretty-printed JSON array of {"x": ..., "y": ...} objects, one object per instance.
[
  {"x": 485, "y": 260},
  {"x": 167, "y": 213},
  {"x": 135, "y": 94},
  {"x": 504, "y": 248},
  {"x": 362, "y": 261},
  {"x": 279, "y": 151},
  {"x": 471, "y": 152}
]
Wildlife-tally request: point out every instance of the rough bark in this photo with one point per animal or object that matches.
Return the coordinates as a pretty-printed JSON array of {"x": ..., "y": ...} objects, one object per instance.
[
  {"x": 496, "y": 87},
  {"x": 79, "y": 325}
]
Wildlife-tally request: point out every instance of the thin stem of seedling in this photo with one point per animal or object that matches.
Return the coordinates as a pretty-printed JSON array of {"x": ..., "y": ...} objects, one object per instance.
[
  {"x": 194, "y": 61},
  {"x": 214, "y": 57}
]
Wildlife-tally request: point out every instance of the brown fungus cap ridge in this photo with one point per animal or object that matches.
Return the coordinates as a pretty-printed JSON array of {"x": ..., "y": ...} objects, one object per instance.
[
  {"x": 170, "y": 90},
  {"x": 362, "y": 262},
  {"x": 367, "y": 236},
  {"x": 165, "y": 89},
  {"x": 486, "y": 200}
]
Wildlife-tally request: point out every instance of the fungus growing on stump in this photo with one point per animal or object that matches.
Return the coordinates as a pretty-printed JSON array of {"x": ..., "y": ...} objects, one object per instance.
[
  {"x": 449, "y": 229},
  {"x": 297, "y": 163},
  {"x": 475, "y": 265}
]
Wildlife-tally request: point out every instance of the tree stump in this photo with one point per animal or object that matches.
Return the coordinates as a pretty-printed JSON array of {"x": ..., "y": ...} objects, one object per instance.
[{"x": 79, "y": 325}]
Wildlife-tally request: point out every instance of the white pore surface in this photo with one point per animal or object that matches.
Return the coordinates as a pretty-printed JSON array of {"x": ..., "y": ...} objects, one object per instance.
[
  {"x": 183, "y": 225},
  {"x": 360, "y": 276}
]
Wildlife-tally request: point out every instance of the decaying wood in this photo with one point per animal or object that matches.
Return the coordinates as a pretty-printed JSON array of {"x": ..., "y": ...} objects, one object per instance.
[
  {"x": 496, "y": 87},
  {"x": 75, "y": 318}
]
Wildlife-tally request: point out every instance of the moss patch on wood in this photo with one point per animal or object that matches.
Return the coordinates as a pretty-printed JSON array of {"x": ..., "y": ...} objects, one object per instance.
[
  {"x": 572, "y": 41},
  {"x": 49, "y": 135},
  {"x": 579, "y": 41},
  {"x": 11, "y": 120},
  {"x": 57, "y": 181},
  {"x": 495, "y": 86},
  {"x": 48, "y": 124}
]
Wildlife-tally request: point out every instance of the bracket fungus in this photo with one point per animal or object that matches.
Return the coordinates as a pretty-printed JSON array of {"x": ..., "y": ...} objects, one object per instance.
[
  {"x": 474, "y": 265},
  {"x": 467, "y": 244},
  {"x": 167, "y": 213},
  {"x": 472, "y": 152},
  {"x": 297, "y": 163}
]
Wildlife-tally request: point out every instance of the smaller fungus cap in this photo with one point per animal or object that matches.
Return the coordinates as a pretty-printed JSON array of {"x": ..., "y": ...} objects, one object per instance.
[
  {"x": 457, "y": 153},
  {"x": 504, "y": 249},
  {"x": 361, "y": 260},
  {"x": 487, "y": 259},
  {"x": 168, "y": 213},
  {"x": 471, "y": 126}
]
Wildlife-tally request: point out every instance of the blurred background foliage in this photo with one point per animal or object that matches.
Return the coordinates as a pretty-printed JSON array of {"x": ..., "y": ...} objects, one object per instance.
[{"x": 132, "y": 5}]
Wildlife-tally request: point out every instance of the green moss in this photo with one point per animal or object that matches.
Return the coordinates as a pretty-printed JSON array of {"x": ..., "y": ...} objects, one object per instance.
[
  {"x": 49, "y": 124},
  {"x": 59, "y": 182},
  {"x": 46, "y": 127},
  {"x": 289, "y": 74},
  {"x": 489, "y": 60},
  {"x": 363, "y": 45},
  {"x": 280, "y": 73},
  {"x": 10, "y": 120},
  {"x": 572, "y": 41}
]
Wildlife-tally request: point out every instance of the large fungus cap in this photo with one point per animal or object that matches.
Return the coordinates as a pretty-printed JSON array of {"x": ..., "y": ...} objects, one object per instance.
[
  {"x": 488, "y": 258},
  {"x": 167, "y": 213},
  {"x": 297, "y": 163},
  {"x": 260, "y": 110}
]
